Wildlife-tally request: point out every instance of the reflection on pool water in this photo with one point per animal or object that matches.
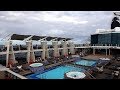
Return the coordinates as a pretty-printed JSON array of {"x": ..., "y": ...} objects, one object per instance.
[
  {"x": 56, "y": 73},
  {"x": 85, "y": 62}
]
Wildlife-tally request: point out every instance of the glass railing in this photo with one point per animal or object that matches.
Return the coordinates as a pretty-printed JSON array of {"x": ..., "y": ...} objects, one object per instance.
[{"x": 24, "y": 47}]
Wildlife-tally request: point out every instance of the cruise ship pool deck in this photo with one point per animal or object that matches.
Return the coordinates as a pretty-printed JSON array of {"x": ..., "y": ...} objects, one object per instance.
[
  {"x": 55, "y": 72},
  {"x": 58, "y": 72}
]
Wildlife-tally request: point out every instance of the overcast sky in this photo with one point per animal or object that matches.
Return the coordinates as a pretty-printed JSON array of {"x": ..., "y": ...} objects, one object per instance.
[{"x": 72, "y": 24}]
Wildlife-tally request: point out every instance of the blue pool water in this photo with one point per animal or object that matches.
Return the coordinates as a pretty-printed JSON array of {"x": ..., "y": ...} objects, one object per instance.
[
  {"x": 56, "y": 73},
  {"x": 86, "y": 62}
]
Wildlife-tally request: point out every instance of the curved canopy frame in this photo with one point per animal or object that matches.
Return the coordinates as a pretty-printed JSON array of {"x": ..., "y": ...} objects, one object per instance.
[{"x": 36, "y": 38}]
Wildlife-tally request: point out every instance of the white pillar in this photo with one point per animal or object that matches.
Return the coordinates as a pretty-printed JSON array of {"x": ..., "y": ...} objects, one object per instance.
[
  {"x": 72, "y": 47},
  {"x": 30, "y": 52},
  {"x": 56, "y": 50},
  {"x": 65, "y": 49},
  {"x": 10, "y": 57}
]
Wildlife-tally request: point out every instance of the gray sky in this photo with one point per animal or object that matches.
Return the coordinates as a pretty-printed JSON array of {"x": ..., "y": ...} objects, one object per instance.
[{"x": 72, "y": 24}]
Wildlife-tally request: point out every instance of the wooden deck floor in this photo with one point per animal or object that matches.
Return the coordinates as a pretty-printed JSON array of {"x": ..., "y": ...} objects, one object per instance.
[{"x": 96, "y": 57}]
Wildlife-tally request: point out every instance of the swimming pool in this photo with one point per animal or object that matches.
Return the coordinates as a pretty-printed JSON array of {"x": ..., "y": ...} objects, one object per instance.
[
  {"x": 55, "y": 73},
  {"x": 85, "y": 62}
]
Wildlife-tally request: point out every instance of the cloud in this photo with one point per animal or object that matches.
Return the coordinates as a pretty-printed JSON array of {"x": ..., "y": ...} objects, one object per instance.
[
  {"x": 67, "y": 19},
  {"x": 74, "y": 24}
]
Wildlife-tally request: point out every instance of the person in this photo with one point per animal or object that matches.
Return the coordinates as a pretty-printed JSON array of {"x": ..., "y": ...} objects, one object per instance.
[{"x": 115, "y": 23}]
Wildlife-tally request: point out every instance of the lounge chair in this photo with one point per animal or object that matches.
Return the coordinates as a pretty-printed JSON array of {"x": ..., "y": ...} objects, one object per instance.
[
  {"x": 116, "y": 73},
  {"x": 25, "y": 67},
  {"x": 15, "y": 69},
  {"x": 118, "y": 59},
  {"x": 100, "y": 69},
  {"x": 45, "y": 62},
  {"x": 108, "y": 77}
]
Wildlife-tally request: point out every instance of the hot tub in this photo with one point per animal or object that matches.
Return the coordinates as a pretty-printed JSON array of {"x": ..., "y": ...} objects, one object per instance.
[
  {"x": 36, "y": 67},
  {"x": 104, "y": 59},
  {"x": 75, "y": 75}
]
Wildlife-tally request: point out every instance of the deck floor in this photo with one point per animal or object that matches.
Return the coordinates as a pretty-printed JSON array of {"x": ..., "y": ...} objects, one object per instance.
[{"x": 96, "y": 57}]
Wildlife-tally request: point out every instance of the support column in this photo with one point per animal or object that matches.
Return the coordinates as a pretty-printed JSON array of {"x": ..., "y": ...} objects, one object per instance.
[
  {"x": 93, "y": 51},
  {"x": 65, "y": 49},
  {"x": 106, "y": 52},
  {"x": 56, "y": 50},
  {"x": 72, "y": 47},
  {"x": 81, "y": 49},
  {"x": 30, "y": 52},
  {"x": 109, "y": 51},
  {"x": 19, "y": 47},
  {"x": 47, "y": 51},
  {"x": 43, "y": 43},
  {"x": 10, "y": 57}
]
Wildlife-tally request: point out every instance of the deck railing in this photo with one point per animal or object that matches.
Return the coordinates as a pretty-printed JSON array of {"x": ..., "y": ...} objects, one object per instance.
[
  {"x": 13, "y": 75},
  {"x": 21, "y": 50}
]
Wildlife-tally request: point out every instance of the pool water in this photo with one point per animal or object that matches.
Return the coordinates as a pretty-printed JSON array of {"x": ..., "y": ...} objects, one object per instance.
[
  {"x": 85, "y": 62},
  {"x": 56, "y": 73}
]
